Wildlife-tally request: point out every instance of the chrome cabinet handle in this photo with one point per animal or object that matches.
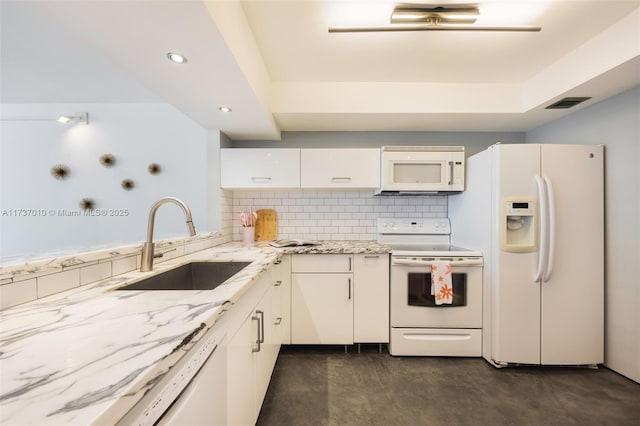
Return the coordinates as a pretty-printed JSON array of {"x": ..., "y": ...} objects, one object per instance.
[
  {"x": 261, "y": 179},
  {"x": 278, "y": 321},
  {"x": 371, "y": 256},
  {"x": 341, "y": 179},
  {"x": 349, "y": 288},
  {"x": 349, "y": 263},
  {"x": 277, "y": 262},
  {"x": 261, "y": 335},
  {"x": 254, "y": 318},
  {"x": 277, "y": 283}
]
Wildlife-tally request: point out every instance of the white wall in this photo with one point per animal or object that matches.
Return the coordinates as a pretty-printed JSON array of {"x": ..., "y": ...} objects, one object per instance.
[
  {"x": 137, "y": 135},
  {"x": 614, "y": 123},
  {"x": 472, "y": 141}
]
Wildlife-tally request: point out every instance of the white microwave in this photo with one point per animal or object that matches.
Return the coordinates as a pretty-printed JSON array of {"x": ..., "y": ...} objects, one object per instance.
[{"x": 416, "y": 170}]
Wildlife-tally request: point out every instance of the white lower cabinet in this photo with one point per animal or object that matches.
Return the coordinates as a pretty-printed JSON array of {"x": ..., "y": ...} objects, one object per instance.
[
  {"x": 322, "y": 308},
  {"x": 339, "y": 298},
  {"x": 251, "y": 355},
  {"x": 371, "y": 298},
  {"x": 240, "y": 375},
  {"x": 265, "y": 349}
]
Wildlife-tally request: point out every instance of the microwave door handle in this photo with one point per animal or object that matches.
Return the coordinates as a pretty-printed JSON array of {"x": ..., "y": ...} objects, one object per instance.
[{"x": 450, "y": 172}]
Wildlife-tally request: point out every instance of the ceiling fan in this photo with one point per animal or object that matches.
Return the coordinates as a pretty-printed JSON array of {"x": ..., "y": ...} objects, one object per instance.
[{"x": 421, "y": 17}]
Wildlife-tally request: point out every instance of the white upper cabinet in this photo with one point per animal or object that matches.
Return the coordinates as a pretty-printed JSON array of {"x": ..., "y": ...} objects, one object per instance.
[
  {"x": 340, "y": 168},
  {"x": 259, "y": 168}
]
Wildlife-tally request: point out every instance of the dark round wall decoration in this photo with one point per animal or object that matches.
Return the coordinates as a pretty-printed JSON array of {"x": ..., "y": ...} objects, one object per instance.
[
  {"x": 154, "y": 168},
  {"x": 87, "y": 204},
  {"x": 108, "y": 160},
  {"x": 127, "y": 184},
  {"x": 60, "y": 171}
]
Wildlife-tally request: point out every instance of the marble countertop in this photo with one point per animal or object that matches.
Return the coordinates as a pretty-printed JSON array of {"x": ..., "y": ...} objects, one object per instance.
[
  {"x": 88, "y": 355},
  {"x": 340, "y": 247}
]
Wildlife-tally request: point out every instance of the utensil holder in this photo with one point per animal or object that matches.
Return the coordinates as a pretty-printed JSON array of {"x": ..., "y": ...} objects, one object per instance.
[{"x": 248, "y": 235}]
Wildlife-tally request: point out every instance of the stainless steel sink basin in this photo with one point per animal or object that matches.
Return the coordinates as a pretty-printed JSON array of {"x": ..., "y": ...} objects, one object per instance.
[{"x": 191, "y": 276}]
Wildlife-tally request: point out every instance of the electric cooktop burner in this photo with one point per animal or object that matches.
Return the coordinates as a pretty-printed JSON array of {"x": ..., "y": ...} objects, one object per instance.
[
  {"x": 420, "y": 238},
  {"x": 431, "y": 250}
]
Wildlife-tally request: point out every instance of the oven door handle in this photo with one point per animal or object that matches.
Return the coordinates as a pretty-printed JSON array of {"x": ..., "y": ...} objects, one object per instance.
[{"x": 425, "y": 262}]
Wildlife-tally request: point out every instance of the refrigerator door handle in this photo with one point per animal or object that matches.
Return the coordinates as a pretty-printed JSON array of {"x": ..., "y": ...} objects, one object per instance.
[
  {"x": 552, "y": 228},
  {"x": 542, "y": 250}
]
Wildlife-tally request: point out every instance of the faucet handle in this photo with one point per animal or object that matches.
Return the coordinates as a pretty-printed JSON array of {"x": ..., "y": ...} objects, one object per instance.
[{"x": 156, "y": 255}]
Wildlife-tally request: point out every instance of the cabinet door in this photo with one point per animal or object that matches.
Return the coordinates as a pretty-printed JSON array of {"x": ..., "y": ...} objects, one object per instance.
[
  {"x": 241, "y": 404},
  {"x": 371, "y": 298},
  {"x": 259, "y": 168},
  {"x": 251, "y": 356},
  {"x": 266, "y": 353},
  {"x": 321, "y": 308},
  {"x": 340, "y": 168}
]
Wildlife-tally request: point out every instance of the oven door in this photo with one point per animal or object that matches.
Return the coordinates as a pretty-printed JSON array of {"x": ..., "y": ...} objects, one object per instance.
[{"x": 412, "y": 304}]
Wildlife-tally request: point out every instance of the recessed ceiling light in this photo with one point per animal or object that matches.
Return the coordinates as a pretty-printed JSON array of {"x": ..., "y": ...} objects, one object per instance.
[
  {"x": 177, "y": 57},
  {"x": 225, "y": 109}
]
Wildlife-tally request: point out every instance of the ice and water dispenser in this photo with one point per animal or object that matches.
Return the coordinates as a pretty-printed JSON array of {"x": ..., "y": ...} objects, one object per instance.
[{"x": 518, "y": 223}]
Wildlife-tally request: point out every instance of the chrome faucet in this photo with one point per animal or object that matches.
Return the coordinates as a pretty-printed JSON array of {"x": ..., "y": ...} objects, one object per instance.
[{"x": 146, "y": 264}]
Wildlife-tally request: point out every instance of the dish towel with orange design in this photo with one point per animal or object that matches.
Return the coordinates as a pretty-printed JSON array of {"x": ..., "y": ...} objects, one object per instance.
[{"x": 441, "y": 283}]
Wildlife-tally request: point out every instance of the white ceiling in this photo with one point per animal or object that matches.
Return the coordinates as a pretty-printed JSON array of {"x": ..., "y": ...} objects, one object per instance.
[{"x": 277, "y": 66}]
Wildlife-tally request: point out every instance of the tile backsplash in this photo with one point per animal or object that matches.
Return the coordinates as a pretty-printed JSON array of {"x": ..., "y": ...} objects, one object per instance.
[{"x": 334, "y": 215}]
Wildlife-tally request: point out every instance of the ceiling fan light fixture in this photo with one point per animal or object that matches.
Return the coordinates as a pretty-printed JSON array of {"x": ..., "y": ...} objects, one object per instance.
[
  {"x": 463, "y": 14},
  {"x": 408, "y": 17}
]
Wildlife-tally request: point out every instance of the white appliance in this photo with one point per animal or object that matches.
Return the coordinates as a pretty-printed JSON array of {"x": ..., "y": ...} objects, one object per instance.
[
  {"x": 537, "y": 214},
  {"x": 418, "y": 325},
  {"x": 410, "y": 170},
  {"x": 192, "y": 390}
]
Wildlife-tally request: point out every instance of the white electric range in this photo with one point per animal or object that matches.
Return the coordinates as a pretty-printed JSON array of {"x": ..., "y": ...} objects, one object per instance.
[{"x": 419, "y": 326}]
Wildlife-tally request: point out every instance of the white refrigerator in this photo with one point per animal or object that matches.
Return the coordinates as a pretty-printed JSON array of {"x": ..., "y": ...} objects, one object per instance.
[{"x": 537, "y": 213}]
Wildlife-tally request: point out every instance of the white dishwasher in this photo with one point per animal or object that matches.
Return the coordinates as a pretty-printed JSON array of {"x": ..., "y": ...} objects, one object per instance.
[{"x": 195, "y": 394}]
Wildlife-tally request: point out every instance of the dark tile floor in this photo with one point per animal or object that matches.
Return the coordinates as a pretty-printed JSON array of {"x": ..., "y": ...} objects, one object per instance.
[{"x": 325, "y": 386}]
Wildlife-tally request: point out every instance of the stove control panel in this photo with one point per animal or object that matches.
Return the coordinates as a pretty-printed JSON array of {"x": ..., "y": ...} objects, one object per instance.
[{"x": 440, "y": 226}]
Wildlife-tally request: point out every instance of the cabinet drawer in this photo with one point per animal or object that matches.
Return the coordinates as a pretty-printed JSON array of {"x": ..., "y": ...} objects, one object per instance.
[
  {"x": 323, "y": 263},
  {"x": 436, "y": 342}
]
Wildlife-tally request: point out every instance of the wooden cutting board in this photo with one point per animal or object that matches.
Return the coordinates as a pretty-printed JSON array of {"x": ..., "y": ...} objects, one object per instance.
[{"x": 266, "y": 225}]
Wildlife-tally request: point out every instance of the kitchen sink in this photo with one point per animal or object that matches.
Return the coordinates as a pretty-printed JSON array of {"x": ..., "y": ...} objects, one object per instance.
[{"x": 191, "y": 276}]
